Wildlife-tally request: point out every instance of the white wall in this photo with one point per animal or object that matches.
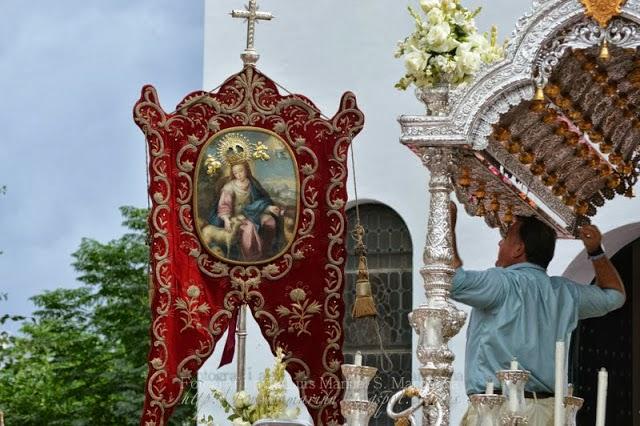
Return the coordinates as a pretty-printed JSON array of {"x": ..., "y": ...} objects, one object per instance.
[{"x": 323, "y": 48}]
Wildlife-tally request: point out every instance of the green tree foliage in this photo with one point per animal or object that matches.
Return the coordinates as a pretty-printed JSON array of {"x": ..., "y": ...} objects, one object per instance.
[{"x": 81, "y": 359}]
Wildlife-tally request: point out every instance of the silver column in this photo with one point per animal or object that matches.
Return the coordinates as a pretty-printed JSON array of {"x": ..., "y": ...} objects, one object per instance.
[{"x": 438, "y": 320}]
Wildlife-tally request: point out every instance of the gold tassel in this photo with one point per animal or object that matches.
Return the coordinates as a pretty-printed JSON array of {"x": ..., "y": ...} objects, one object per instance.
[
  {"x": 364, "y": 305},
  {"x": 539, "y": 95},
  {"x": 604, "y": 51}
]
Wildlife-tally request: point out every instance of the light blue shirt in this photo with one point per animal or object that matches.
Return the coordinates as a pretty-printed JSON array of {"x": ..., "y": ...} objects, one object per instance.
[{"x": 520, "y": 312}]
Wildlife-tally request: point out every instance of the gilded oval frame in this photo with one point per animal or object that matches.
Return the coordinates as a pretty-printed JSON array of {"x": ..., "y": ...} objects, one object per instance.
[{"x": 201, "y": 169}]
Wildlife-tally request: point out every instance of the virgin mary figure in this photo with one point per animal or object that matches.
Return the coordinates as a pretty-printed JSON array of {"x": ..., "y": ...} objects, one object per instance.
[{"x": 242, "y": 199}]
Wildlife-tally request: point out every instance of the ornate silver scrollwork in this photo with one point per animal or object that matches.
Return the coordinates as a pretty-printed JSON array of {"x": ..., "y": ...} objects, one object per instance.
[
  {"x": 586, "y": 33},
  {"x": 540, "y": 39},
  {"x": 427, "y": 399}
]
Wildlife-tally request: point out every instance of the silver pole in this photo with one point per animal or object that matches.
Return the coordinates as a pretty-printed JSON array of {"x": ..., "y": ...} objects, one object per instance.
[{"x": 241, "y": 332}]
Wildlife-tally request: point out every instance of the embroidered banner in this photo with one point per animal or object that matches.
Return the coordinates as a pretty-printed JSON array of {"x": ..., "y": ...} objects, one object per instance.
[{"x": 248, "y": 195}]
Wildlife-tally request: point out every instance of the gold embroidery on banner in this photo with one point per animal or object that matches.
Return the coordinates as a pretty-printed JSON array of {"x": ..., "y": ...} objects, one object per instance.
[
  {"x": 251, "y": 103},
  {"x": 190, "y": 307},
  {"x": 603, "y": 10},
  {"x": 150, "y": 116},
  {"x": 299, "y": 312}
]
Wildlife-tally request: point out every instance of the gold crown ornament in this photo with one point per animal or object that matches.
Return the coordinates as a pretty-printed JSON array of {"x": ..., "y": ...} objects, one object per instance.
[{"x": 235, "y": 148}]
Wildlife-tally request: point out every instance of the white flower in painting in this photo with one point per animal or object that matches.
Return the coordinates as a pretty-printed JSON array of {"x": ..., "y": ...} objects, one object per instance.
[
  {"x": 239, "y": 422},
  {"x": 241, "y": 399},
  {"x": 427, "y": 5}
]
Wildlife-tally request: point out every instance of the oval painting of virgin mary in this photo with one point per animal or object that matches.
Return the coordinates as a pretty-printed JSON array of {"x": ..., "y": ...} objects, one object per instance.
[{"x": 246, "y": 195}]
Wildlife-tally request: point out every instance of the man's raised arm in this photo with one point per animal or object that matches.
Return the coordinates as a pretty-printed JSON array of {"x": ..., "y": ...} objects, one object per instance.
[{"x": 607, "y": 276}]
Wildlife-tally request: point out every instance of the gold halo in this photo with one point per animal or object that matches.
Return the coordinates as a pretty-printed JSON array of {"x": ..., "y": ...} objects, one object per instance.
[{"x": 238, "y": 144}]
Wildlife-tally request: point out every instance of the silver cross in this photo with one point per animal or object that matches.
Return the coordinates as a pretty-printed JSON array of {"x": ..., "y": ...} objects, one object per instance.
[{"x": 251, "y": 14}]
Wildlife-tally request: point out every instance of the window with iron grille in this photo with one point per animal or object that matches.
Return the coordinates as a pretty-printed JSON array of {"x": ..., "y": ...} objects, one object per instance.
[{"x": 390, "y": 272}]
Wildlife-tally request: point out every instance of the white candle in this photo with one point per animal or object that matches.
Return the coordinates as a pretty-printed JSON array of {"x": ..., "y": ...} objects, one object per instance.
[
  {"x": 514, "y": 405},
  {"x": 489, "y": 390},
  {"x": 558, "y": 414},
  {"x": 358, "y": 358},
  {"x": 601, "y": 402},
  {"x": 514, "y": 364},
  {"x": 570, "y": 390}
]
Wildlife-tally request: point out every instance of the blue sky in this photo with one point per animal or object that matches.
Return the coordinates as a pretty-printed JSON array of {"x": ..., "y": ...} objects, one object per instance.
[{"x": 70, "y": 153}]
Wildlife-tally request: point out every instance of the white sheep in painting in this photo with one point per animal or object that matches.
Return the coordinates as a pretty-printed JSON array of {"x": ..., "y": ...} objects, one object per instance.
[{"x": 221, "y": 236}]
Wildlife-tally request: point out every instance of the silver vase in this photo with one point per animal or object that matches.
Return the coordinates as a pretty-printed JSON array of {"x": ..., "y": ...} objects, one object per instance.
[{"x": 435, "y": 98}]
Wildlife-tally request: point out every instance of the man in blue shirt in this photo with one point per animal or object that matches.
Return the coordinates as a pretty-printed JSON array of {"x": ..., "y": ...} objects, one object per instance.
[{"x": 520, "y": 312}]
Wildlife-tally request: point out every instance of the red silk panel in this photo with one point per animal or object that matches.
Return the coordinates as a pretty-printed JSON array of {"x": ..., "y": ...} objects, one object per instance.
[{"x": 296, "y": 296}]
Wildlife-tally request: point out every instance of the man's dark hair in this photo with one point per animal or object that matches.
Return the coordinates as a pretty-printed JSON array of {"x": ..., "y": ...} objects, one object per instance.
[{"x": 539, "y": 240}]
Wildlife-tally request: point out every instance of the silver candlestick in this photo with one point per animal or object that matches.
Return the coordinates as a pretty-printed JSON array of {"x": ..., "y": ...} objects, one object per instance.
[
  {"x": 514, "y": 420},
  {"x": 513, "y": 382},
  {"x": 356, "y": 407},
  {"x": 571, "y": 406},
  {"x": 488, "y": 407}
]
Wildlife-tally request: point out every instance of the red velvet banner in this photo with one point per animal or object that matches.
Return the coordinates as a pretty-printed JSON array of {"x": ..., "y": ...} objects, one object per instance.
[{"x": 248, "y": 195}]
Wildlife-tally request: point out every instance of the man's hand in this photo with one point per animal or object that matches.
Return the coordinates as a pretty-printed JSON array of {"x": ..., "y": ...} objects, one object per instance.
[
  {"x": 591, "y": 237},
  {"x": 606, "y": 274}
]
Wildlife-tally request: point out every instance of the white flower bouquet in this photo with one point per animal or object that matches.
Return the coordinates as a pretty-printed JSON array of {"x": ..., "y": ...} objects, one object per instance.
[
  {"x": 445, "y": 46},
  {"x": 270, "y": 402}
]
